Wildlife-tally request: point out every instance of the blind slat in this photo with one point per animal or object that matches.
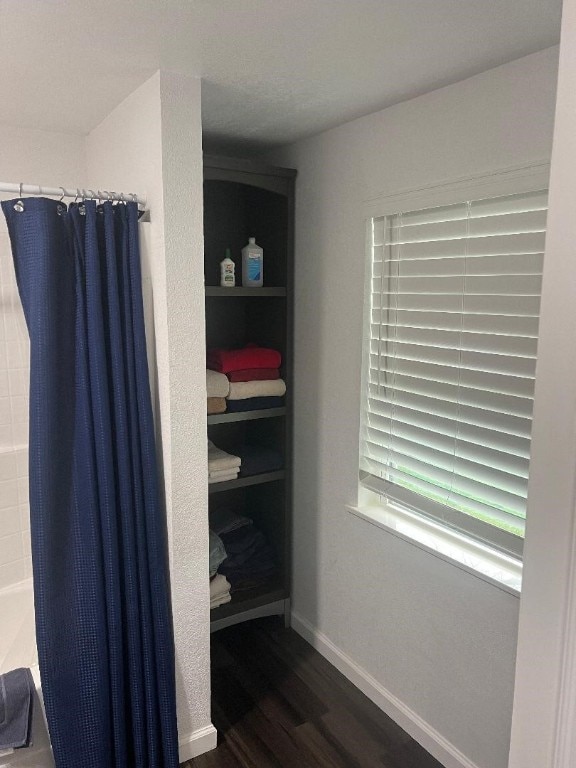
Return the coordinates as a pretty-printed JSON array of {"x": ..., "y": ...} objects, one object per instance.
[
  {"x": 456, "y": 496},
  {"x": 381, "y": 431},
  {"x": 462, "y": 359},
  {"x": 516, "y": 306},
  {"x": 510, "y": 224},
  {"x": 464, "y": 414},
  {"x": 447, "y": 484},
  {"x": 453, "y": 392},
  {"x": 499, "y": 285},
  {"x": 450, "y": 321},
  {"x": 513, "y": 264},
  {"x": 490, "y": 245},
  {"x": 518, "y": 445},
  {"x": 500, "y": 344},
  {"x": 493, "y": 382},
  {"x": 467, "y": 478}
]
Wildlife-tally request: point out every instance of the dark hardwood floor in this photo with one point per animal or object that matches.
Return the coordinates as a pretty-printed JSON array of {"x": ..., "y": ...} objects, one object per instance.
[{"x": 277, "y": 703}]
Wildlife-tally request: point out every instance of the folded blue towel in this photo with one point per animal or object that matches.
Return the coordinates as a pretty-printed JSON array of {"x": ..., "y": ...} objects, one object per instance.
[
  {"x": 217, "y": 552},
  {"x": 257, "y": 459},
  {"x": 253, "y": 404},
  {"x": 16, "y": 701}
]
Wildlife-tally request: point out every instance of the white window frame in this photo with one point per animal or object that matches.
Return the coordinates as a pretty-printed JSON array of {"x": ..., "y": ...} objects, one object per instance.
[{"x": 392, "y": 515}]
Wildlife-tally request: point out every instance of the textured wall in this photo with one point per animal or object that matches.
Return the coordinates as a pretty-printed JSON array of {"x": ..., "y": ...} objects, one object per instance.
[
  {"x": 15, "y": 556},
  {"x": 151, "y": 144},
  {"x": 439, "y": 639},
  {"x": 544, "y": 723},
  {"x": 32, "y": 157},
  {"x": 183, "y": 225}
]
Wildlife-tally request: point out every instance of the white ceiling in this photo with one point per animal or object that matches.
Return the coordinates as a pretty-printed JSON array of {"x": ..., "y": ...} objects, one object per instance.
[{"x": 274, "y": 70}]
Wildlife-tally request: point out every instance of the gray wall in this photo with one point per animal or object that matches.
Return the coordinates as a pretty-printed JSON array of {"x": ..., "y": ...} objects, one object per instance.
[{"x": 440, "y": 640}]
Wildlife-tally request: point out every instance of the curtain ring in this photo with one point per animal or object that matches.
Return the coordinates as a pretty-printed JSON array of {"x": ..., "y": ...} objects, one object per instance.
[{"x": 63, "y": 195}]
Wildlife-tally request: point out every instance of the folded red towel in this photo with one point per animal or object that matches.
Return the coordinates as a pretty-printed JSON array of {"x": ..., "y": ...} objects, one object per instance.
[
  {"x": 227, "y": 360},
  {"x": 254, "y": 374}
]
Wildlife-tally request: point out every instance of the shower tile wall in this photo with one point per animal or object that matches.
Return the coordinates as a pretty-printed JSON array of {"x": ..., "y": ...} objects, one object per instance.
[{"x": 15, "y": 560}]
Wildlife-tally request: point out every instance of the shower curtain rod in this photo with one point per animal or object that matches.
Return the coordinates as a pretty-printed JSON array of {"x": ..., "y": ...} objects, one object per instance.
[{"x": 78, "y": 193}]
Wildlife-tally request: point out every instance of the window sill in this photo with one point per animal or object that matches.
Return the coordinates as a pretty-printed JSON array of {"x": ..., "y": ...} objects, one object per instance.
[{"x": 479, "y": 560}]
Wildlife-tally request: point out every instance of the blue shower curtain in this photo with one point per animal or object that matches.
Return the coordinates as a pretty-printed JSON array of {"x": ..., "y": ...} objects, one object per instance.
[{"x": 103, "y": 623}]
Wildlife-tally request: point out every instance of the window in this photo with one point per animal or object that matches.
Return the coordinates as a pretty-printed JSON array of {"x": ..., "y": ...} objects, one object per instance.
[{"x": 450, "y": 355}]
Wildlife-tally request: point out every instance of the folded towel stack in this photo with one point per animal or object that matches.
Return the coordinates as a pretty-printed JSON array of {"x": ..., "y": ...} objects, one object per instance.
[
  {"x": 222, "y": 466},
  {"x": 257, "y": 459},
  {"x": 16, "y": 702},
  {"x": 217, "y": 553},
  {"x": 219, "y": 591},
  {"x": 224, "y": 520},
  {"x": 217, "y": 390},
  {"x": 253, "y": 377},
  {"x": 250, "y": 560}
]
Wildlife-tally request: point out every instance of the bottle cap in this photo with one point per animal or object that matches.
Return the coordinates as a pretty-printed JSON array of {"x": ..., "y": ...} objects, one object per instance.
[{"x": 251, "y": 240}]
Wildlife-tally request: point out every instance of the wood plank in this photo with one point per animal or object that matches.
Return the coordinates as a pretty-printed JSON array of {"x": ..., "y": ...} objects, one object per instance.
[
  {"x": 221, "y": 757},
  {"x": 348, "y": 735},
  {"x": 277, "y": 703},
  {"x": 326, "y": 682},
  {"x": 318, "y": 749}
]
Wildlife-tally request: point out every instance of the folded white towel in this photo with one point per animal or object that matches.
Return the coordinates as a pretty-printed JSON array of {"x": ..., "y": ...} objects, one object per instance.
[
  {"x": 242, "y": 390},
  {"x": 220, "y": 601},
  {"x": 218, "y": 459},
  {"x": 215, "y": 473},
  {"x": 219, "y": 586},
  {"x": 217, "y": 384},
  {"x": 232, "y": 475},
  {"x": 219, "y": 591}
]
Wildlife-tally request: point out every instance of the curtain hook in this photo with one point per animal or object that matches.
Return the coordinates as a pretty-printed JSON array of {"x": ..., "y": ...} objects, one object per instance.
[
  {"x": 20, "y": 189},
  {"x": 92, "y": 194},
  {"x": 63, "y": 195}
]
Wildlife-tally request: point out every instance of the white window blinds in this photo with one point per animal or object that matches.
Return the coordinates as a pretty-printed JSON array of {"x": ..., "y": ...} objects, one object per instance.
[{"x": 449, "y": 379}]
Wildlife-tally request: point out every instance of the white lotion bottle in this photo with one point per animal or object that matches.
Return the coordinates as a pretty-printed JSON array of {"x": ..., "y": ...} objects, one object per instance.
[
  {"x": 252, "y": 264},
  {"x": 227, "y": 271}
]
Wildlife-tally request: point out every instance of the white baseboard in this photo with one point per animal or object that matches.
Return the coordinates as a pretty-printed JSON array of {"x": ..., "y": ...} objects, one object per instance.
[
  {"x": 196, "y": 743},
  {"x": 421, "y": 731}
]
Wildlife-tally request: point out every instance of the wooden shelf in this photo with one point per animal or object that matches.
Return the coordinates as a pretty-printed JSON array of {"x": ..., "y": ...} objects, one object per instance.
[
  {"x": 217, "y": 290},
  {"x": 265, "y": 413},
  {"x": 243, "y": 482},
  {"x": 269, "y": 599},
  {"x": 242, "y": 200}
]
